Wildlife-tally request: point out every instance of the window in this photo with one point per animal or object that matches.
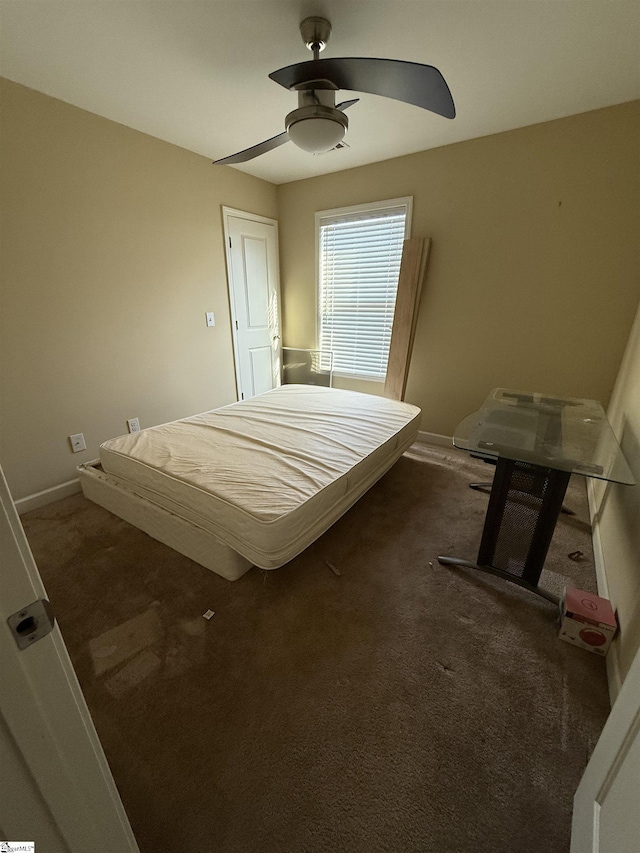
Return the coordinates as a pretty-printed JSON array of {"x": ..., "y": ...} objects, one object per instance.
[{"x": 359, "y": 254}]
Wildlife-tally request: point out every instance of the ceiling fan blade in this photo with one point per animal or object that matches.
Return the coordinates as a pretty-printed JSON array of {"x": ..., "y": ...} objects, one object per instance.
[
  {"x": 254, "y": 151},
  {"x": 421, "y": 85},
  {"x": 346, "y": 104}
]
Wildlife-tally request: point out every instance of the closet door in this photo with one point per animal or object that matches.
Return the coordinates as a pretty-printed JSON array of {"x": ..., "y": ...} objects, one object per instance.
[{"x": 254, "y": 297}]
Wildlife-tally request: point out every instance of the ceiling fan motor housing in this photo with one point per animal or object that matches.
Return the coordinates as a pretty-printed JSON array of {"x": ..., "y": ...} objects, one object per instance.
[{"x": 316, "y": 126}]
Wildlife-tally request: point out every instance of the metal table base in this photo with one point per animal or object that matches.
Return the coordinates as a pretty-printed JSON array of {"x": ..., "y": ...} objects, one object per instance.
[{"x": 524, "y": 506}]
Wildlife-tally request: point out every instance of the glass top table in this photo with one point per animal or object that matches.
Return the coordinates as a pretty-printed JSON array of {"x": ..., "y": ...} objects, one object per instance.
[
  {"x": 566, "y": 434},
  {"x": 537, "y": 442}
]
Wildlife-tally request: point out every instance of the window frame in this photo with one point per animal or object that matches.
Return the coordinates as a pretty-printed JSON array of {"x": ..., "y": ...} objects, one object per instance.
[{"x": 347, "y": 213}]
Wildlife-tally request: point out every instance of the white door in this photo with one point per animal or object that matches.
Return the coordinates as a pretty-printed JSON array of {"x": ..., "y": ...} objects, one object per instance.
[
  {"x": 56, "y": 788},
  {"x": 254, "y": 296},
  {"x": 606, "y": 807}
]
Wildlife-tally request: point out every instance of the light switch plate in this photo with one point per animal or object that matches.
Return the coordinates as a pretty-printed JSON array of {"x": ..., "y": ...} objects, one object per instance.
[
  {"x": 77, "y": 442},
  {"x": 210, "y": 318}
]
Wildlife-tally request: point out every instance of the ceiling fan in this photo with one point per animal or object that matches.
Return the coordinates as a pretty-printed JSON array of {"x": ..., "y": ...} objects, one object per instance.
[{"x": 319, "y": 124}]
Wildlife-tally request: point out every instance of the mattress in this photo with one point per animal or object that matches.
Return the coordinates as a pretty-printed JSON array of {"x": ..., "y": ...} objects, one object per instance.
[{"x": 266, "y": 476}]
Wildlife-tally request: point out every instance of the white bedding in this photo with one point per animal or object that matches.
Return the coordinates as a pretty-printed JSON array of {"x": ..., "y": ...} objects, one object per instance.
[{"x": 268, "y": 475}]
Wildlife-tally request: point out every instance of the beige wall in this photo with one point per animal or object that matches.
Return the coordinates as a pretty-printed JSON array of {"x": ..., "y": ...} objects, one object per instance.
[
  {"x": 617, "y": 517},
  {"x": 533, "y": 275},
  {"x": 111, "y": 253}
]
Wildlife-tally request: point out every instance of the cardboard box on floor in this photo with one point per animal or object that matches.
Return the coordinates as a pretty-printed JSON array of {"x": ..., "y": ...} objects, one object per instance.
[{"x": 588, "y": 621}]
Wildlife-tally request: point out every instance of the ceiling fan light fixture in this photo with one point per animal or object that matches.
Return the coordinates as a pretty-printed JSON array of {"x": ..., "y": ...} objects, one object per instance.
[{"x": 316, "y": 128}]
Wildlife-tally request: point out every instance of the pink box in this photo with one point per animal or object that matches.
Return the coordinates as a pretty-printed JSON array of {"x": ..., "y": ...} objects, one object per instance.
[{"x": 588, "y": 621}]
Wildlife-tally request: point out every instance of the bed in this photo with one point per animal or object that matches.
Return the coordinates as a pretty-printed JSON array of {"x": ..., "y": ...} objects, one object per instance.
[{"x": 254, "y": 482}]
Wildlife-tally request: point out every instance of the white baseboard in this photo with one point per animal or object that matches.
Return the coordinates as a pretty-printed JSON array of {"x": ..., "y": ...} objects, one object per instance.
[
  {"x": 613, "y": 661},
  {"x": 48, "y": 496},
  {"x": 435, "y": 439}
]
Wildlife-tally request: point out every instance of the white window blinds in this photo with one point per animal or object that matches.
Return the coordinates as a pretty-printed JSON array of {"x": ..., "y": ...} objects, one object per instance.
[{"x": 359, "y": 260}]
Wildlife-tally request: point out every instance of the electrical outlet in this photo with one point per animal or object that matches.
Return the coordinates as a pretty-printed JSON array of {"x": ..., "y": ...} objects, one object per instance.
[
  {"x": 134, "y": 425},
  {"x": 77, "y": 442},
  {"x": 210, "y": 318}
]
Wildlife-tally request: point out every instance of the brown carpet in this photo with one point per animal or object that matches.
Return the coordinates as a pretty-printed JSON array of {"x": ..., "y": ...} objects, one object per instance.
[{"x": 397, "y": 706}]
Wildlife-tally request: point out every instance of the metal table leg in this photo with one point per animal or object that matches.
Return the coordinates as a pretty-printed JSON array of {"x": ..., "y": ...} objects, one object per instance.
[{"x": 524, "y": 505}]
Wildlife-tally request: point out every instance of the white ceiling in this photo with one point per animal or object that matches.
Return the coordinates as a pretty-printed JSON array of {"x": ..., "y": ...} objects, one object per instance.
[{"x": 194, "y": 73}]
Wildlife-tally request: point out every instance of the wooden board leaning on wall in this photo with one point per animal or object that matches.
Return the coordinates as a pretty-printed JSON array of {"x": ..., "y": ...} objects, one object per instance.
[{"x": 413, "y": 271}]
